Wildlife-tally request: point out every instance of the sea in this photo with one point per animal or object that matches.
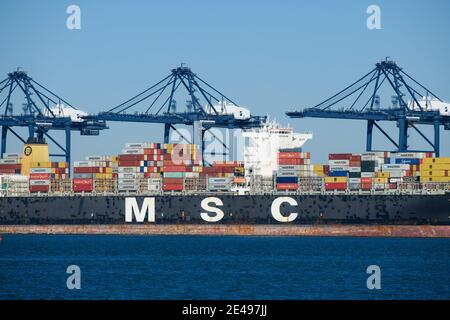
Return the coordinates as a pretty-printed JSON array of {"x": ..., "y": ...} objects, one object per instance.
[{"x": 222, "y": 267}]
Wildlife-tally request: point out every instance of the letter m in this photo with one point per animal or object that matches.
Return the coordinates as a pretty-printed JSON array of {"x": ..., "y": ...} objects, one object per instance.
[{"x": 132, "y": 208}]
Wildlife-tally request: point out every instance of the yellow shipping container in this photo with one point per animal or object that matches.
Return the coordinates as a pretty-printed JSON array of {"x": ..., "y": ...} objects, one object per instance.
[
  {"x": 108, "y": 170},
  {"x": 434, "y": 173},
  {"x": 434, "y": 179},
  {"x": 427, "y": 167},
  {"x": 335, "y": 179},
  {"x": 318, "y": 167},
  {"x": 436, "y": 161},
  {"x": 61, "y": 164},
  {"x": 380, "y": 174},
  {"x": 381, "y": 180},
  {"x": 45, "y": 164}
]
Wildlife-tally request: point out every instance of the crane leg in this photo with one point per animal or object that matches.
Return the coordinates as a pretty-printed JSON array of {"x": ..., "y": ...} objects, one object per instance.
[
  {"x": 4, "y": 134},
  {"x": 369, "y": 135}
]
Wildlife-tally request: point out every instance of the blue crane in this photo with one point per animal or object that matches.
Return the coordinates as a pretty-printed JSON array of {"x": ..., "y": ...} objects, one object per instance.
[
  {"x": 412, "y": 104},
  {"x": 38, "y": 115},
  {"x": 158, "y": 104}
]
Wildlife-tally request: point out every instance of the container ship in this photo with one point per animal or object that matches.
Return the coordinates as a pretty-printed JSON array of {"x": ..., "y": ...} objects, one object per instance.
[{"x": 276, "y": 183}]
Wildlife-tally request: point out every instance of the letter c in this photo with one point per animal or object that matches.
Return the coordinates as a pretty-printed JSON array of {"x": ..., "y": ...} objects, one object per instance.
[{"x": 276, "y": 214}]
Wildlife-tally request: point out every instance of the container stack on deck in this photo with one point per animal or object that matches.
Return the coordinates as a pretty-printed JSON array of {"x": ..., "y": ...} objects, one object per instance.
[
  {"x": 10, "y": 164},
  {"x": 181, "y": 161},
  {"x": 292, "y": 164},
  {"x": 435, "y": 170},
  {"x": 43, "y": 173},
  {"x": 140, "y": 166}
]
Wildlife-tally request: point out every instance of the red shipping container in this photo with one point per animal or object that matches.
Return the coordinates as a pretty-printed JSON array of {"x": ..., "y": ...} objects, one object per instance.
[
  {"x": 287, "y": 186},
  {"x": 86, "y": 170},
  {"x": 80, "y": 188},
  {"x": 335, "y": 186},
  {"x": 173, "y": 180},
  {"x": 80, "y": 181},
  {"x": 39, "y": 188},
  {"x": 131, "y": 157},
  {"x": 129, "y": 163},
  {"x": 339, "y": 156},
  {"x": 366, "y": 186},
  {"x": 291, "y": 161},
  {"x": 392, "y": 185},
  {"x": 289, "y": 155},
  {"x": 172, "y": 187},
  {"x": 355, "y": 163},
  {"x": 7, "y": 171},
  {"x": 40, "y": 176},
  {"x": 11, "y": 166},
  {"x": 355, "y": 157},
  {"x": 366, "y": 180}
]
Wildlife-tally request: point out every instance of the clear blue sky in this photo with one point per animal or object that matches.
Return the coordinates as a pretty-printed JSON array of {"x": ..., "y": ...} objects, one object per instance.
[{"x": 271, "y": 56}]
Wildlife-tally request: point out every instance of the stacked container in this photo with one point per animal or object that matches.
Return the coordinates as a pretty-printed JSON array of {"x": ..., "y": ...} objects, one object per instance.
[
  {"x": 83, "y": 175},
  {"x": 434, "y": 170},
  {"x": 181, "y": 161},
  {"x": 339, "y": 164},
  {"x": 40, "y": 175},
  {"x": 10, "y": 164},
  {"x": 292, "y": 164},
  {"x": 138, "y": 163},
  {"x": 14, "y": 185}
]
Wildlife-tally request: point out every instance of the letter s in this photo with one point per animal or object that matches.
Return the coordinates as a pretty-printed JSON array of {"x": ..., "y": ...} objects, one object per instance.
[
  {"x": 276, "y": 214},
  {"x": 205, "y": 206}
]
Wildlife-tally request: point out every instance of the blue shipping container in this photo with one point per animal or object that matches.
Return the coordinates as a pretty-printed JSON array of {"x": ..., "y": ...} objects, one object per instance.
[
  {"x": 287, "y": 179},
  {"x": 407, "y": 161},
  {"x": 338, "y": 173}
]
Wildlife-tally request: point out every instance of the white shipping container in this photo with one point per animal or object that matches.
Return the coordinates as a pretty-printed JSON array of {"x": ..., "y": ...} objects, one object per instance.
[
  {"x": 367, "y": 174},
  {"x": 136, "y": 145},
  {"x": 125, "y": 187},
  {"x": 133, "y": 151},
  {"x": 128, "y": 181},
  {"x": 409, "y": 155},
  {"x": 11, "y": 155},
  {"x": 354, "y": 169},
  {"x": 40, "y": 170},
  {"x": 393, "y": 167},
  {"x": 378, "y": 154},
  {"x": 339, "y": 168},
  {"x": 127, "y": 169},
  {"x": 218, "y": 181},
  {"x": 288, "y": 173},
  {"x": 10, "y": 161},
  {"x": 338, "y": 162},
  {"x": 127, "y": 175},
  {"x": 354, "y": 180},
  {"x": 397, "y": 174},
  {"x": 39, "y": 182},
  {"x": 83, "y": 164},
  {"x": 289, "y": 167}
]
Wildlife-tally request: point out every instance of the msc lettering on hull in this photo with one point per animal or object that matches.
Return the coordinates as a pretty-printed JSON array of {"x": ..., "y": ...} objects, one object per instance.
[{"x": 209, "y": 204}]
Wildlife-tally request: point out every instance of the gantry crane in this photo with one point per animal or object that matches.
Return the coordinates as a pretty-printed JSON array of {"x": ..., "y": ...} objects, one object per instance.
[
  {"x": 205, "y": 108},
  {"x": 412, "y": 105},
  {"x": 39, "y": 114}
]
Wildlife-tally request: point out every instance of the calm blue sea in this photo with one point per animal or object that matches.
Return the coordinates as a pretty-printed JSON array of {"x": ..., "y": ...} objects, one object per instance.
[{"x": 203, "y": 267}]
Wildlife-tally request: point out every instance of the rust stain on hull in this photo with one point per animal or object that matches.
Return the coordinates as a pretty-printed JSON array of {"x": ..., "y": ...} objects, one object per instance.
[{"x": 422, "y": 231}]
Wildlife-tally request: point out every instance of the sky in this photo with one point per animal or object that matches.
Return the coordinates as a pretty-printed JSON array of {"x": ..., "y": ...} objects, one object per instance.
[{"x": 270, "y": 56}]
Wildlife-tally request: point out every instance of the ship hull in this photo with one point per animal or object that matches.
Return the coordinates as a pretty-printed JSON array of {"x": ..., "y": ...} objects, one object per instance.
[{"x": 245, "y": 209}]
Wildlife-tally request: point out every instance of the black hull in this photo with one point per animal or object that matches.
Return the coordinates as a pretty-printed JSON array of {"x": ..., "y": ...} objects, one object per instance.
[{"x": 248, "y": 209}]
